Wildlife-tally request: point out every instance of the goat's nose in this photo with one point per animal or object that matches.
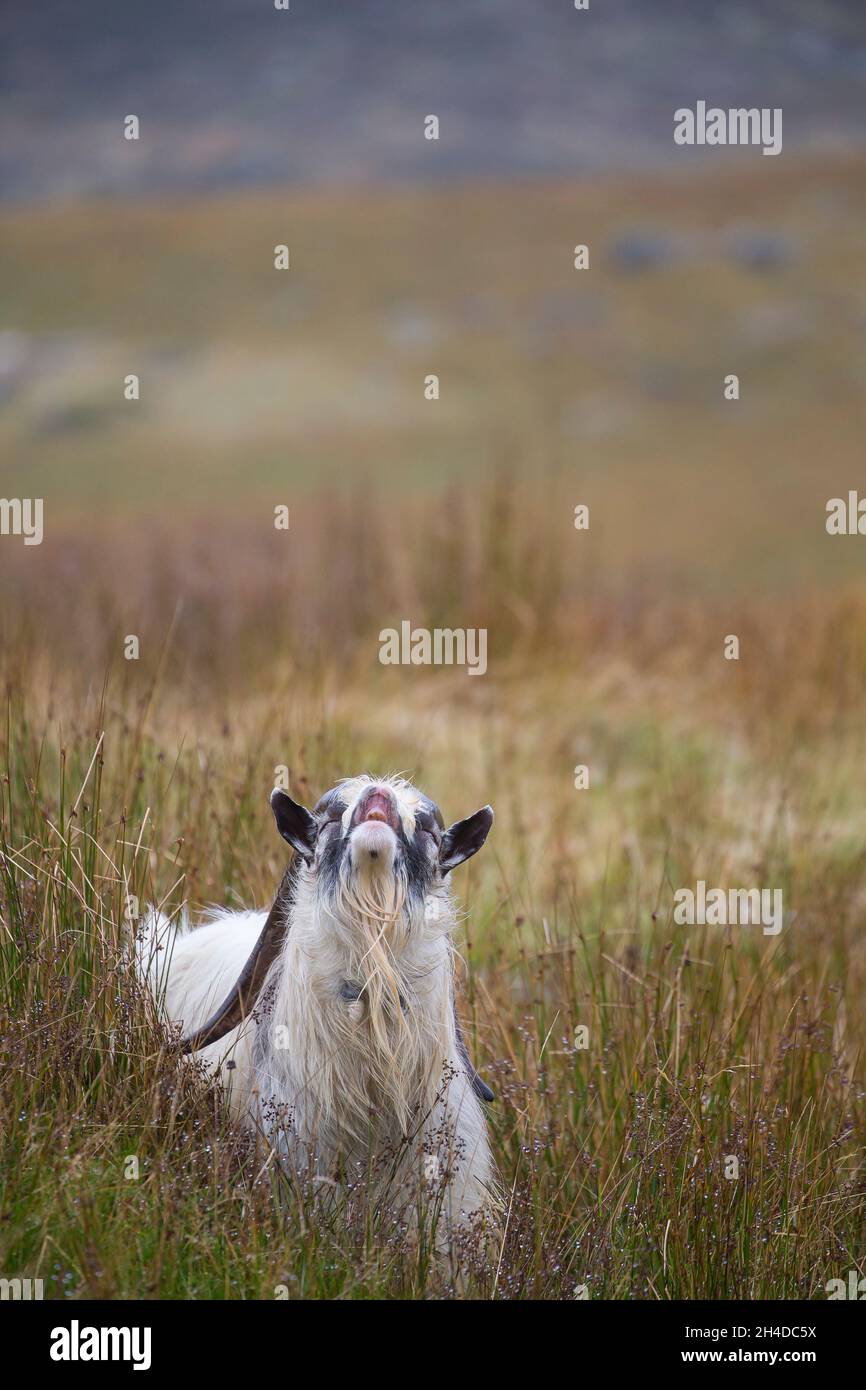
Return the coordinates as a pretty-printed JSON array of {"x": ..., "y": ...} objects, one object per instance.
[{"x": 377, "y": 803}]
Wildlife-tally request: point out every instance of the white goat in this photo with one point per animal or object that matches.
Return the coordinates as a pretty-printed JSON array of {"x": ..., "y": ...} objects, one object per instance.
[{"x": 337, "y": 1033}]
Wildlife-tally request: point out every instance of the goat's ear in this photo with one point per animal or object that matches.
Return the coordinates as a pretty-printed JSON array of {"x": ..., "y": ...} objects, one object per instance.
[
  {"x": 294, "y": 823},
  {"x": 465, "y": 838}
]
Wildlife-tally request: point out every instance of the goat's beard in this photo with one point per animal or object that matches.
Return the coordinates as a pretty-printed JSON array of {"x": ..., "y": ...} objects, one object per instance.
[{"x": 382, "y": 1031}]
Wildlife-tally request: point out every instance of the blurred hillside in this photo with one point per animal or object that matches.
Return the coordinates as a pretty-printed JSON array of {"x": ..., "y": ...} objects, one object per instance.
[
  {"x": 605, "y": 386},
  {"x": 232, "y": 93}
]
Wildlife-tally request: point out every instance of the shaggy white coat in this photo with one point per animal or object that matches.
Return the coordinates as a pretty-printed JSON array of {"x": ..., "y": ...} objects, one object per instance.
[{"x": 329, "y": 1079}]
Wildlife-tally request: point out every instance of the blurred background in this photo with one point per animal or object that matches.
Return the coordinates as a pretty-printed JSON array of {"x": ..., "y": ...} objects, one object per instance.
[{"x": 411, "y": 257}]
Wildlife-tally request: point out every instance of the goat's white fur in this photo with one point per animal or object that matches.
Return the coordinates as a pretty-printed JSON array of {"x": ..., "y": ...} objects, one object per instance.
[{"x": 347, "y": 1079}]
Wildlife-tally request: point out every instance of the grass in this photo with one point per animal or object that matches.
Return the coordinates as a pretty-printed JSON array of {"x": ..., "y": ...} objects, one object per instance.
[{"x": 705, "y": 1044}]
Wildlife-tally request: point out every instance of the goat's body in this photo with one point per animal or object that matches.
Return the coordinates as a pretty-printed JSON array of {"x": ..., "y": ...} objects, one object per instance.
[
  {"x": 190, "y": 971},
  {"x": 335, "y": 1081}
]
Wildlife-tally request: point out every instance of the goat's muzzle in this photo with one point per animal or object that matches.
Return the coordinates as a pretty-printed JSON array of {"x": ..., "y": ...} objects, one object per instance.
[
  {"x": 377, "y": 804},
  {"x": 373, "y": 831}
]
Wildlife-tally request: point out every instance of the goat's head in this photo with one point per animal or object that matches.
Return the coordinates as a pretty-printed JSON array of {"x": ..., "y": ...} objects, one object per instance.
[
  {"x": 373, "y": 851},
  {"x": 377, "y": 843}
]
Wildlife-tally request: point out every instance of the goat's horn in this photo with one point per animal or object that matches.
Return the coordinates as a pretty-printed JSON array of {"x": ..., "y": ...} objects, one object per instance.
[
  {"x": 246, "y": 989},
  {"x": 481, "y": 1089}
]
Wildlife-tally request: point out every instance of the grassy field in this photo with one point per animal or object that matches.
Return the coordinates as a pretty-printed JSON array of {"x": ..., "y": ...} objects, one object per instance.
[
  {"x": 260, "y": 648},
  {"x": 703, "y": 1042}
]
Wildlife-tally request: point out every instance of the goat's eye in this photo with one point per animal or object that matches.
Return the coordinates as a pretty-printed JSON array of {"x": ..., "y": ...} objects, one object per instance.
[
  {"x": 426, "y": 824},
  {"x": 333, "y": 821}
]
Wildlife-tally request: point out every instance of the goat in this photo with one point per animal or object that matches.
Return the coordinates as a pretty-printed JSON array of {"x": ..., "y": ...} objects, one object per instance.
[{"x": 337, "y": 1035}]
